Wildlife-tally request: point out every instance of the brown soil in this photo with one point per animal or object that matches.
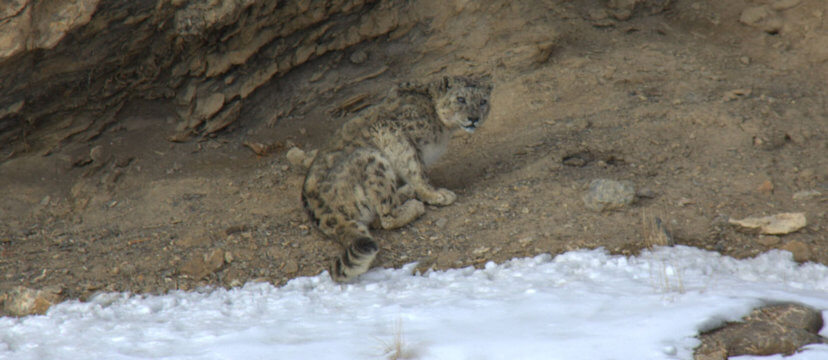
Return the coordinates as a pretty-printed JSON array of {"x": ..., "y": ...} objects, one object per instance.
[{"x": 709, "y": 117}]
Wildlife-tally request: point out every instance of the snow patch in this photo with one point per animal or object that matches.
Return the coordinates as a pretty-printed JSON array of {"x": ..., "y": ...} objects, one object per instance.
[{"x": 583, "y": 304}]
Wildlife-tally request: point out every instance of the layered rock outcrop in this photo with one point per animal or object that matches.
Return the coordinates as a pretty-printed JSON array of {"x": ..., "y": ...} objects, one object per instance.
[{"x": 68, "y": 66}]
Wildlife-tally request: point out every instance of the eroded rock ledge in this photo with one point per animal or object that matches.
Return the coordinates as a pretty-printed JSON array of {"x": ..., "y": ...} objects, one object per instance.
[{"x": 67, "y": 66}]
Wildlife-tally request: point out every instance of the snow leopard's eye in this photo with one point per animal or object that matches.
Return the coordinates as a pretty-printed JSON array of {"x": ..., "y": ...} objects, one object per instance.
[
  {"x": 483, "y": 102},
  {"x": 461, "y": 99}
]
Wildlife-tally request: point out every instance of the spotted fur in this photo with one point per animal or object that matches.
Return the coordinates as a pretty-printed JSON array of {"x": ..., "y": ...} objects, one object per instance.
[{"x": 372, "y": 173}]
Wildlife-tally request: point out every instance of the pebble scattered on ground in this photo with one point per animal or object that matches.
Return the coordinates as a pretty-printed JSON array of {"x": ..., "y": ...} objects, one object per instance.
[{"x": 606, "y": 194}]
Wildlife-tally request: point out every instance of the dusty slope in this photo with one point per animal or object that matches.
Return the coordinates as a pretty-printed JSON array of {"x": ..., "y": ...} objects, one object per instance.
[{"x": 709, "y": 117}]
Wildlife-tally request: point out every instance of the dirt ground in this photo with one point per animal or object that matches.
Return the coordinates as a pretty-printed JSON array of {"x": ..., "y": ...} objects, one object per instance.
[{"x": 712, "y": 109}]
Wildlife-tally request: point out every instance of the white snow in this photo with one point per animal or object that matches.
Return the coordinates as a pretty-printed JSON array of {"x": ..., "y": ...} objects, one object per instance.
[{"x": 578, "y": 305}]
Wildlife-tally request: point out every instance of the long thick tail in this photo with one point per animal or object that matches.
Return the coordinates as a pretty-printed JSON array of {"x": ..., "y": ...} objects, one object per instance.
[
  {"x": 360, "y": 247},
  {"x": 355, "y": 260}
]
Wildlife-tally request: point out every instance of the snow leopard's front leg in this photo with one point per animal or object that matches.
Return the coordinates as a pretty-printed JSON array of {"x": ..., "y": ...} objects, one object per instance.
[{"x": 410, "y": 168}]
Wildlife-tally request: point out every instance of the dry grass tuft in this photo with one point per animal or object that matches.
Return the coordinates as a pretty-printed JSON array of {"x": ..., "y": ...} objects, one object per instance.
[
  {"x": 667, "y": 277},
  {"x": 653, "y": 231},
  {"x": 397, "y": 348}
]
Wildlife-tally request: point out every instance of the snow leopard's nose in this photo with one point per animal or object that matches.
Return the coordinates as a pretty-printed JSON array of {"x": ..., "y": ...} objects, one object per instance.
[{"x": 474, "y": 119}]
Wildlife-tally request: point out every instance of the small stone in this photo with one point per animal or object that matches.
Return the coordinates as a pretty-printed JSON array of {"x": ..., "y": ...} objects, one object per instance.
[
  {"x": 806, "y": 195},
  {"x": 97, "y": 154},
  {"x": 801, "y": 251},
  {"x": 228, "y": 257},
  {"x": 257, "y": 147},
  {"x": 441, "y": 222},
  {"x": 296, "y": 156},
  {"x": 735, "y": 94},
  {"x": 598, "y": 14},
  {"x": 358, "y": 57},
  {"x": 622, "y": 15},
  {"x": 779, "y": 224},
  {"x": 762, "y": 17},
  {"x": 768, "y": 240},
  {"x": 525, "y": 241},
  {"x": 781, "y": 5},
  {"x": 291, "y": 267},
  {"x": 754, "y": 15},
  {"x": 744, "y": 60},
  {"x": 575, "y": 162},
  {"x": 481, "y": 250},
  {"x": 214, "y": 260},
  {"x": 194, "y": 268},
  {"x": 199, "y": 266},
  {"x": 646, "y": 193},
  {"x": 23, "y": 301},
  {"x": 683, "y": 201},
  {"x": 605, "y": 194},
  {"x": 766, "y": 187}
]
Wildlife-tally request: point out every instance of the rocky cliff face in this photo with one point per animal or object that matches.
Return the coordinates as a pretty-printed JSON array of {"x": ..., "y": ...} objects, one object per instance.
[{"x": 67, "y": 66}]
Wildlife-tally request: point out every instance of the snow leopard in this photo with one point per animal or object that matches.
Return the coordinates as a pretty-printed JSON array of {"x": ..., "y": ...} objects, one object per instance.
[{"x": 372, "y": 173}]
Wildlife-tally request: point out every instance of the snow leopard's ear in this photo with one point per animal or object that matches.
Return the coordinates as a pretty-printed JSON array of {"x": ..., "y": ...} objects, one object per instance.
[
  {"x": 445, "y": 84},
  {"x": 486, "y": 82},
  {"x": 439, "y": 87}
]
